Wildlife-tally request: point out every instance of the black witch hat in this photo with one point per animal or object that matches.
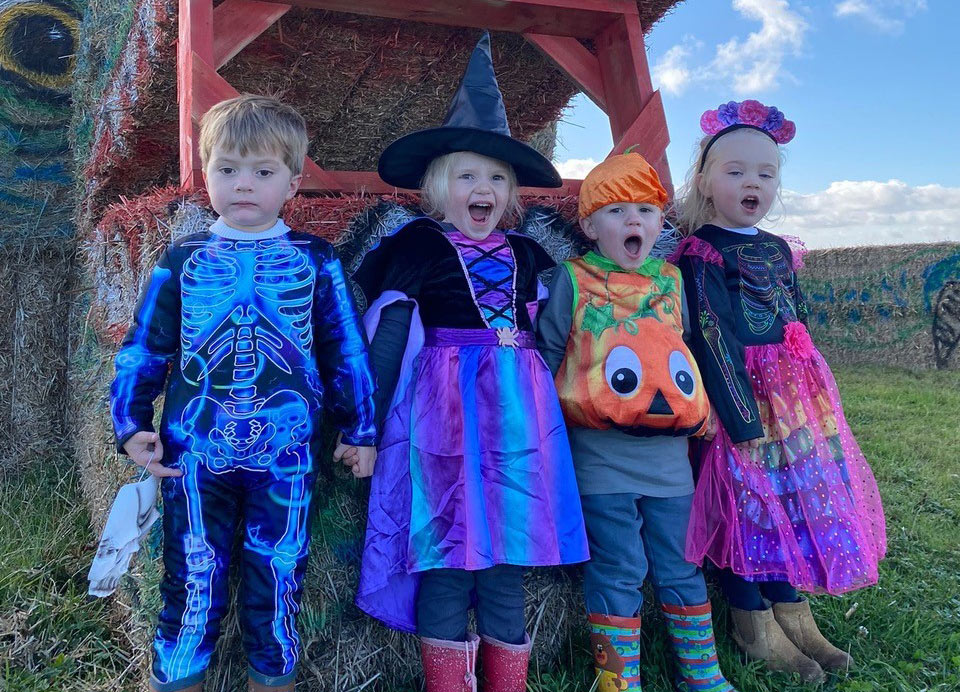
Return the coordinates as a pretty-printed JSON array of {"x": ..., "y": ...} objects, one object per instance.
[{"x": 477, "y": 122}]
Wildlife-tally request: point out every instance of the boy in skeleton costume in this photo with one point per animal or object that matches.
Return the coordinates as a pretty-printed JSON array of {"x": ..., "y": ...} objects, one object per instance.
[
  {"x": 631, "y": 393},
  {"x": 253, "y": 328}
]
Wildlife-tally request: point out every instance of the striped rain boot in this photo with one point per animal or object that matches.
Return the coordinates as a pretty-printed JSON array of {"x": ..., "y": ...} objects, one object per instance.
[
  {"x": 615, "y": 643},
  {"x": 691, "y": 633}
]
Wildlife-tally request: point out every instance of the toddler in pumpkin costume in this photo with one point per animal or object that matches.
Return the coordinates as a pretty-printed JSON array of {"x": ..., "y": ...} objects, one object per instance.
[{"x": 613, "y": 335}]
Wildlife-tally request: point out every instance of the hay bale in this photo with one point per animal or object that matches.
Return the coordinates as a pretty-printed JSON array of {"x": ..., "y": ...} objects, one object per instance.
[
  {"x": 35, "y": 282},
  {"x": 895, "y": 305}
]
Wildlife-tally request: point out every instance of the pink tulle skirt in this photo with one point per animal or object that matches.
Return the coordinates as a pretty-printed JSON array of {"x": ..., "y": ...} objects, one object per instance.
[{"x": 804, "y": 506}]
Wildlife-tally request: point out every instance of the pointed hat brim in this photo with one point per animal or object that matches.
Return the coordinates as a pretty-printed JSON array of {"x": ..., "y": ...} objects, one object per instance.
[{"x": 405, "y": 161}]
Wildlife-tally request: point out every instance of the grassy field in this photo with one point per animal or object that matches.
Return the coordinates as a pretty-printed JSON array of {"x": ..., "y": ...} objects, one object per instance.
[{"x": 904, "y": 634}]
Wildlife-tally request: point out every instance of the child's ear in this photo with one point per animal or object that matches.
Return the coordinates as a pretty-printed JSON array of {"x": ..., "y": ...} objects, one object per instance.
[
  {"x": 701, "y": 182},
  {"x": 587, "y": 227},
  {"x": 294, "y": 186}
]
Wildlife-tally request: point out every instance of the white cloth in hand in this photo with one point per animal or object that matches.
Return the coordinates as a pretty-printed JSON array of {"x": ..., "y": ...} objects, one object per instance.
[{"x": 131, "y": 516}]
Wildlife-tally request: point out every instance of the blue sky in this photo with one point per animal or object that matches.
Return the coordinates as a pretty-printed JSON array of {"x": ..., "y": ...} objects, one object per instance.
[{"x": 873, "y": 86}]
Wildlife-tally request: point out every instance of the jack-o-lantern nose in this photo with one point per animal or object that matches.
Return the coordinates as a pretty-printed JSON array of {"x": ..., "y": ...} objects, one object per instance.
[{"x": 660, "y": 405}]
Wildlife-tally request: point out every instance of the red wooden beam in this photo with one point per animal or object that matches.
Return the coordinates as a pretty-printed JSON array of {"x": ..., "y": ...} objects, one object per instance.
[
  {"x": 581, "y": 18},
  {"x": 626, "y": 78},
  {"x": 648, "y": 136},
  {"x": 572, "y": 57},
  {"x": 370, "y": 183},
  {"x": 195, "y": 41},
  {"x": 238, "y": 23}
]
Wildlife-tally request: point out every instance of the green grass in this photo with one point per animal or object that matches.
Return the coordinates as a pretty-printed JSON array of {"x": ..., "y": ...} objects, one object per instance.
[{"x": 904, "y": 633}]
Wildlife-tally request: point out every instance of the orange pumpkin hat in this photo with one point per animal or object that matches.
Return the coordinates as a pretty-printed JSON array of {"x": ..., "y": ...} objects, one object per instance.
[{"x": 621, "y": 178}]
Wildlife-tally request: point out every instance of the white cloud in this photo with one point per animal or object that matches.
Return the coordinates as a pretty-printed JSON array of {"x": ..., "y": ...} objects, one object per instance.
[
  {"x": 575, "y": 168},
  {"x": 671, "y": 73},
  {"x": 869, "y": 212},
  {"x": 886, "y": 16},
  {"x": 746, "y": 66}
]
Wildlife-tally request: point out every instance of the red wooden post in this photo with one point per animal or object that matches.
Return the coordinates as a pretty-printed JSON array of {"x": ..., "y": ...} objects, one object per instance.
[
  {"x": 239, "y": 23},
  {"x": 195, "y": 41},
  {"x": 635, "y": 110}
]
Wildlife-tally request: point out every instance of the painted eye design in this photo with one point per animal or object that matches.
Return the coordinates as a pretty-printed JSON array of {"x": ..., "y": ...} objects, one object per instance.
[
  {"x": 38, "y": 43},
  {"x": 623, "y": 371},
  {"x": 681, "y": 372}
]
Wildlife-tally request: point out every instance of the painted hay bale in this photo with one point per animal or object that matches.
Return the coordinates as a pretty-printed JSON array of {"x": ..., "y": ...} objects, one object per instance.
[
  {"x": 37, "y": 42},
  {"x": 896, "y": 305},
  {"x": 343, "y": 648}
]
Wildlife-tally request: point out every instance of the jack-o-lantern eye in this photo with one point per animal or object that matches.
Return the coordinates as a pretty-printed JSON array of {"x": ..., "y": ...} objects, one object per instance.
[
  {"x": 681, "y": 372},
  {"x": 623, "y": 371}
]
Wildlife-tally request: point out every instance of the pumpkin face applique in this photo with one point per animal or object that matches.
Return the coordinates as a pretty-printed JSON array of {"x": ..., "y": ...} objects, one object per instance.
[{"x": 627, "y": 366}]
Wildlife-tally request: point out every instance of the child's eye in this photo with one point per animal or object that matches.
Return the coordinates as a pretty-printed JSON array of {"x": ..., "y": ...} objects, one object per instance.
[
  {"x": 498, "y": 177},
  {"x": 766, "y": 175},
  {"x": 465, "y": 176},
  {"x": 615, "y": 210},
  {"x": 734, "y": 173},
  {"x": 226, "y": 170},
  {"x": 264, "y": 173}
]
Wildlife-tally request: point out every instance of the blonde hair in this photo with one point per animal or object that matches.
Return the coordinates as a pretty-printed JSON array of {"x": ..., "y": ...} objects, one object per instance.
[
  {"x": 435, "y": 187},
  {"x": 255, "y": 124},
  {"x": 692, "y": 207}
]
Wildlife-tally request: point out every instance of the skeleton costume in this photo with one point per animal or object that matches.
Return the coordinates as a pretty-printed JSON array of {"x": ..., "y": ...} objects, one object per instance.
[
  {"x": 254, "y": 334},
  {"x": 804, "y": 507}
]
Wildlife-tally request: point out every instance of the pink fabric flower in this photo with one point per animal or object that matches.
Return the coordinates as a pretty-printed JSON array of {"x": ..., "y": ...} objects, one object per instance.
[
  {"x": 710, "y": 123},
  {"x": 797, "y": 340},
  {"x": 753, "y": 113},
  {"x": 785, "y": 133}
]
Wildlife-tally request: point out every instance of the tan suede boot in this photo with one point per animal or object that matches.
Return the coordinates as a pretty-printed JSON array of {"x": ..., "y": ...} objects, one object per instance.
[
  {"x": 798, "y": 624},
  {"x": 759, "y": 635}
]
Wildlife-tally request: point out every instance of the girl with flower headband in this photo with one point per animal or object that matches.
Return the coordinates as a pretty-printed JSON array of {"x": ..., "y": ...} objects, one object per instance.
[{"x": 785, "y": 499}]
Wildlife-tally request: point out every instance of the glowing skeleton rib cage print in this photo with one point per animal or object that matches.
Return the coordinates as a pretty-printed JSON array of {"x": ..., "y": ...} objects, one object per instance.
[{"x": 261, "y": 333}]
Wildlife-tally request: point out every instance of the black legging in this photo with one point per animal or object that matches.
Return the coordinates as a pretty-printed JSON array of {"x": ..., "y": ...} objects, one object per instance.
[
  {"x": 445, "y": 596},
  {"x": 746, "y": 595}
]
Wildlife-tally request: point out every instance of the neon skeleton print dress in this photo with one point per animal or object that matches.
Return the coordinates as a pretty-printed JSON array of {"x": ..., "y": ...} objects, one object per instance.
[
  {"x": 259, "y": 334},
  {"x": 474, "y": 468},
  {"x": 804, "y": 507}
]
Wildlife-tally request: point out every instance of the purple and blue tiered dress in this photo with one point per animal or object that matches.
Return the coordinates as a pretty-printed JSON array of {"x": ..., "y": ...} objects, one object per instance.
[{"x": 474, "y": 467}]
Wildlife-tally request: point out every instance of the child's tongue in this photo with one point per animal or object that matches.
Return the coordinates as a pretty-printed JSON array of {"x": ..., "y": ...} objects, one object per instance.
[
  {"x": 632, "y": 244},
  {"x": 478, "y": 214}
]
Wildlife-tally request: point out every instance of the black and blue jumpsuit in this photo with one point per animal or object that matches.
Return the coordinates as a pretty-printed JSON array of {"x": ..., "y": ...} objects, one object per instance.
[{"x": 253, "y": 334}]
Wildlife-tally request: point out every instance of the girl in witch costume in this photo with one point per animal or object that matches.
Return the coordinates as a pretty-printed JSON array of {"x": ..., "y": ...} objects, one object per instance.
[
  {"x": 785, "y": 499},
  {"x": 474, "y": 482}
]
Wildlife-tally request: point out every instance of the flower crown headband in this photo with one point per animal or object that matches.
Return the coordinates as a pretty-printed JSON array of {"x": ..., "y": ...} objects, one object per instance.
[{"x": 748, "y": 114}]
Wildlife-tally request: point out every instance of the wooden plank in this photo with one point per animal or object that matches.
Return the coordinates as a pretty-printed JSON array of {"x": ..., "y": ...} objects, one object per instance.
[
  {"x": 210, "y": 89},
  {"x": 238, "y": 23},
  {"x": 649, "y": 137},
  {"x": 575, "y": 60},
  {"x": 580, "y": 18},
  {"x": 626, "y": 77},
  {"x": 352, "y": 182},
  {"x": 195, "y": 39}
]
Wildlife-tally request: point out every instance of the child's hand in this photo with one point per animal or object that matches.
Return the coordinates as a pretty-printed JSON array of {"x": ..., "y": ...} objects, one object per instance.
[
  {"x": 146, "y": 450},
  {"x": 749, "y": 447},
  {"x": 366, "y": 459},
  {"x": 711, "y": 430},
  {"x": 359, "y": 459}
]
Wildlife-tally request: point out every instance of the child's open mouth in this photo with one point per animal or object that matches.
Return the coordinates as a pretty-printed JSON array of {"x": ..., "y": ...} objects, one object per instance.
[
  {"x": 750, "y": 203},
  {"x": 633, "y": 245},
  {"x": 480, "y": 212}
]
